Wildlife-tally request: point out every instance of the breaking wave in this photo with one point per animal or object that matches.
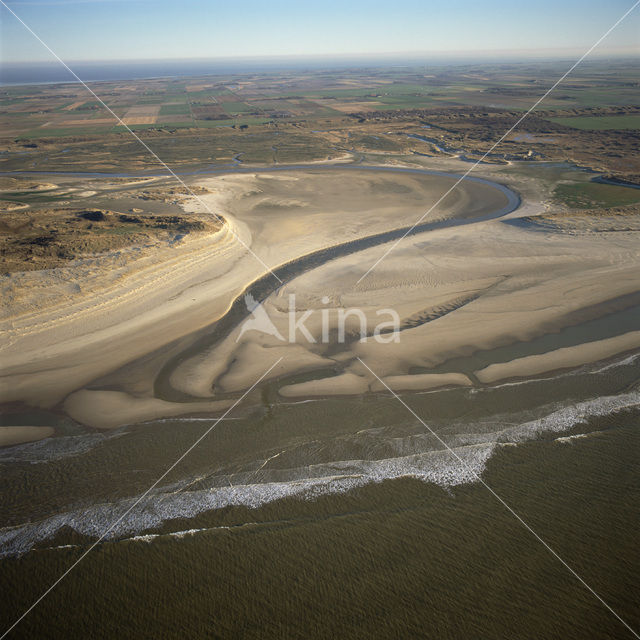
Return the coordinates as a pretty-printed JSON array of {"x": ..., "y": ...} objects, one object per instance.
[
  {"x": 439, "y": 467},
  {"x": 54, "y": 448},
  {"x": 253, "y": 489}
]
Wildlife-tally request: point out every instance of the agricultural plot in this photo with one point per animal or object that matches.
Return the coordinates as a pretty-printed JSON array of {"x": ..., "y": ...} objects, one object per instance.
[
  {"x": 237, "y": 107},
  {"x": 145, "y": 114},
  {"x": 173, "y": 109},
  {"x": 334, "y": 102}
]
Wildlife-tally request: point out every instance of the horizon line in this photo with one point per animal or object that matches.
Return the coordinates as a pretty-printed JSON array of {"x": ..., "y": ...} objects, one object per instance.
[{"x": 414, "y": 56}]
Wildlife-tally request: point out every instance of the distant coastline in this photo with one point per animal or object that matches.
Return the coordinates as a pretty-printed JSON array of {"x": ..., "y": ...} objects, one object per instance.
[{"x": 34, "y": 73}]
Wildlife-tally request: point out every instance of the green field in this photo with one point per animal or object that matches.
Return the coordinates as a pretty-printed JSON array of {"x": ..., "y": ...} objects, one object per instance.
[
  {"x": 151, "y": 100},
  {"x": 167, "y": 125},
  {"x": 67, "y": 131},
  {"x": 600, "y": 123},
  {"x": 174, "y": 109},
  {"x": 228, "y": 123},
  {"x": 588, "y": 195}
]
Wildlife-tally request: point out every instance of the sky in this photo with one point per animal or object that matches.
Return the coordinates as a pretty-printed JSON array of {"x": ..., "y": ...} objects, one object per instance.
[{"x": 92, "y": 30}]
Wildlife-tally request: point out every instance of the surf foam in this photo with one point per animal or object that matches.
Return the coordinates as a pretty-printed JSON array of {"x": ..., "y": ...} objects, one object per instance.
[{"x": 440, "y": 467}]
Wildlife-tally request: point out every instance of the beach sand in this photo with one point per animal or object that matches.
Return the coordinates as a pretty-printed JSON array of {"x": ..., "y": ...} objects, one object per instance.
[
  {"x": 456, "y": 290},
  {"x": 560, "y": 358},
  {"x": 112, "y": 409},
  {"x": 499, "y": 285},
  {"x": 10, "y": 436}
]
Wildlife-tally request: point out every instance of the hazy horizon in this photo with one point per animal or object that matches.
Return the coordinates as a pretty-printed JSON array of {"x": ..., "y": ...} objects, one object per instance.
[
  {"x": 52, "y": 71},
  {"x": 112, "y": 31}
]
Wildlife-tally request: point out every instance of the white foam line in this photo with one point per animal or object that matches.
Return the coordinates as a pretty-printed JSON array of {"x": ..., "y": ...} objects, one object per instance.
[
  {"x": 620, "y": 363},
  {"x": 150, "y": 537},
  {"x": 54, "y": 448},
  {"x": 499, "y": 499},
  {"x": 178, "y": 501},
  {"x": 567, "y": 417},
  {"x": 185, "y": 420},
  {"x": 320, "y": 479},
  {"x": 116, "y": 522},
  {"x": 577, "y": 436},
  {"x": 269, "y": 459},
  {"x": 519, "y": 383},
  {"x": 174, "y": 534}
]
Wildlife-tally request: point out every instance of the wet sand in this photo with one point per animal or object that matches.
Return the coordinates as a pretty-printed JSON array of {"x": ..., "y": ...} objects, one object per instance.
[
  {"x": 313, "y": 511},
  {"x": 500, "y": 285},
  {"x": 18, "y": 435},
  {"x": 61, "y": 337},
  {"x": 156, "y": 333}
]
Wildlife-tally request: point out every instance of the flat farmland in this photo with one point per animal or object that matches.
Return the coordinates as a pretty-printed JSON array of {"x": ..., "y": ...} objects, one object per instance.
[
  {"x": 141, "y": 114},
  {"x": 323, "y": 101}
]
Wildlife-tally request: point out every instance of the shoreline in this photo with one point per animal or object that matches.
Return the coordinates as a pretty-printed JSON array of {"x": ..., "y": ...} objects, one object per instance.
[
  {"x": 230, "y": 278},
  {"x": 123, "y": 410},
  {"x": 147, "y": 379}
]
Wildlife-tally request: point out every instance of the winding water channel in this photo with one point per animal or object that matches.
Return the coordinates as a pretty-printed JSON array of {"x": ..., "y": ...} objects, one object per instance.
[{"x": 268, "y": 283}]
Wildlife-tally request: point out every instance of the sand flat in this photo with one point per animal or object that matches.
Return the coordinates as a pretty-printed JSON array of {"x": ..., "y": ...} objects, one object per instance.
[
  {"x": 143, "y": 300},
  {"x": 341, "y": 385},
  {"x": 496, "y": 286},
  {"x": 422, "y": 382},
  {"x": 10, "y": 436},
  {"x": 564, "y": 358},
  {"x": 459, "y": 280},
  {"x": 113, "y": 409}
]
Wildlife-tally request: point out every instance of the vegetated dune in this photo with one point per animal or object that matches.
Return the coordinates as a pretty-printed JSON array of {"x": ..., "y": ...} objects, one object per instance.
[{"x": 50, "y": 238}]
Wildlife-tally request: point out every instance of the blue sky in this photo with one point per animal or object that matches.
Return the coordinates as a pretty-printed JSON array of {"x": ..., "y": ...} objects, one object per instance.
[{"x": 156, "y": 29}]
